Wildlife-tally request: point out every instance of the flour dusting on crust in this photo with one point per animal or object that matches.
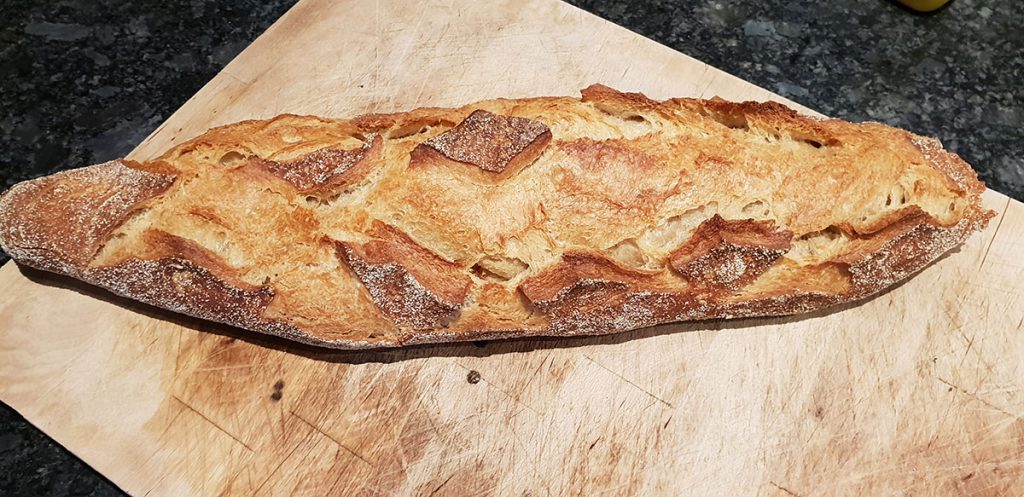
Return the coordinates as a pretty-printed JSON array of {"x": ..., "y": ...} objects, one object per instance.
[
  {"x": 487, "y": 140},
  {"x": 59, "y": 222}
]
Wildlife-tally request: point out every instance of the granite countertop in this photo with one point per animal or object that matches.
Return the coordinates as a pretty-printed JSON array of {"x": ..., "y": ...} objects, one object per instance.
[{"x": 85, "y": 81}]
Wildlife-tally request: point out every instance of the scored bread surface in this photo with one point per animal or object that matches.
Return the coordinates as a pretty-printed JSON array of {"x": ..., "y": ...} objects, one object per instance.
[{"x": 542, "y": 216}]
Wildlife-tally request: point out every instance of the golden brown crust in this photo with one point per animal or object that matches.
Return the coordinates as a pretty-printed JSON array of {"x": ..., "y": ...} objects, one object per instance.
[{"x": 505, "y": 218}]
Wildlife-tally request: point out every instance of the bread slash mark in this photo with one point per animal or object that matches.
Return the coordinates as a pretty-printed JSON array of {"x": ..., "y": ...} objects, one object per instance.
[
  {"x": 586, "y": 293},
  {"x": 500, "y": 146},
  {"x": 410, "y": 284},
  {"x": 323, "y": 172},
  {"x": 730, "y": 254}
]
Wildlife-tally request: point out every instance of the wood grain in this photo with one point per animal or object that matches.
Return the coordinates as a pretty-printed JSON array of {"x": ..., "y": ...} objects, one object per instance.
[{"x": 915, "y": 392}]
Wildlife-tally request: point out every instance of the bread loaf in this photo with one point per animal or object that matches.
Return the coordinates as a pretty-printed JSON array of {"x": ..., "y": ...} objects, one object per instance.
[{"x": 504, "y": 218}]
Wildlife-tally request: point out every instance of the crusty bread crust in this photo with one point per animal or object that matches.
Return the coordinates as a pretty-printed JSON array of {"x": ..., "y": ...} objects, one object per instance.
[{"x": 505, "y": 218}]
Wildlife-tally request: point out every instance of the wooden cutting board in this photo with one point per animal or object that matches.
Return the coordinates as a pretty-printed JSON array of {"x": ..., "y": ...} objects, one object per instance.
[{"x": 915, "y": 392}]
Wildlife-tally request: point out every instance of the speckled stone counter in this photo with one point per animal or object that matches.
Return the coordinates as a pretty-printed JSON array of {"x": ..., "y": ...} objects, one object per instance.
[{"x": 85, "y": 81}]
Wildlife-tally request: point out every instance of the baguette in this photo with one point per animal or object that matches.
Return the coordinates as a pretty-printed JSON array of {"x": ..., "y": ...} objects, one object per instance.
[{"x": 504, "y": 218}]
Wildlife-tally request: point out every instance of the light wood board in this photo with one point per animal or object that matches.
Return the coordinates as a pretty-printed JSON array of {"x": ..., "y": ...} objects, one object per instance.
[{"x": 915, "y": 392}]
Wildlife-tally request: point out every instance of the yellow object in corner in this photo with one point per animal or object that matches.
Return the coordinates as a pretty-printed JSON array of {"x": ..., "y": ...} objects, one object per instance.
[{"x": 924, "y": 5}]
